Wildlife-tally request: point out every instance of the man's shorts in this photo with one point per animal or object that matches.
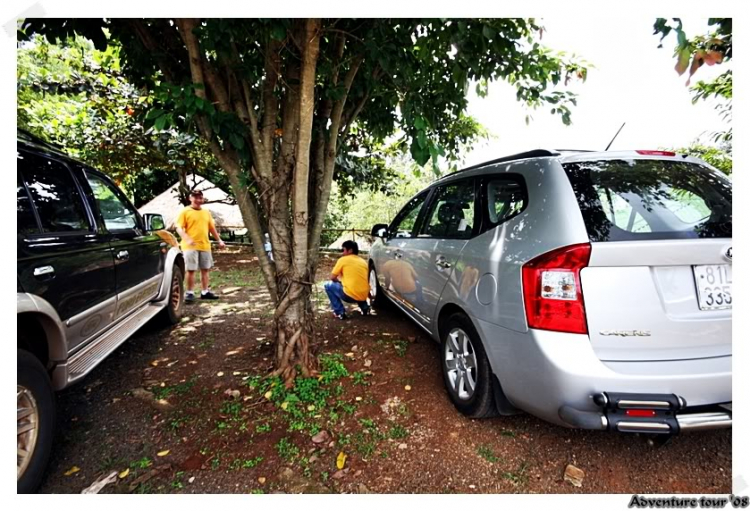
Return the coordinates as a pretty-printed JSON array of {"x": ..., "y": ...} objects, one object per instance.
[{"x": 195, "y": 259}]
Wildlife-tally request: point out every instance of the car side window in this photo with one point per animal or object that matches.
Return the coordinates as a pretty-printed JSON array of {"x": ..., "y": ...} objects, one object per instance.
[
  {"x": 404, "y": 223},
  {"x": 451, "y": 213},
  {"x": 54, "y": 194},
  {"x": 116, "y": 212},
  {"x": 506, "y": 197},
  {"x": 25, "y": 219}
]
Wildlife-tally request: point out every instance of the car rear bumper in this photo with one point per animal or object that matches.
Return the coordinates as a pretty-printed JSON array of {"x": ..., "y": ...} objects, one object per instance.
[{"x": 556, "y": 376}]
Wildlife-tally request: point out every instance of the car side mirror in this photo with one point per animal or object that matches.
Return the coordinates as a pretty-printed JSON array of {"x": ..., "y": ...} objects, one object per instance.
[
  {"x": 379, "y": 231},
  {"x": 154, "y": 222}
]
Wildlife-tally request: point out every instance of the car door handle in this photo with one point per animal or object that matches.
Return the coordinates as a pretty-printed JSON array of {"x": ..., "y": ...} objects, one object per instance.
[
  {"x": 441, "y": 262},
  {"x": 398, "y": 254},
  {"x": 41, "y": 271},
  {"x": 122, "y": 255}
]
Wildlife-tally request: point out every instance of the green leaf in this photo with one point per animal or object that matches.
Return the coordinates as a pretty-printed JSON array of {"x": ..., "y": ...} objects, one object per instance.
[
  {"x": 488, "y": 32},
  {"x": 160, "y": 122},
  {"x": 278, "y": 32},
  {"x": 153, "y": 114},
  {"x": 237, "y": 141}
]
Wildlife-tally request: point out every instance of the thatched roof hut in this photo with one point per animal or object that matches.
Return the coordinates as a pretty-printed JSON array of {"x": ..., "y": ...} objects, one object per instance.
[{"x": 227, "y": 216}]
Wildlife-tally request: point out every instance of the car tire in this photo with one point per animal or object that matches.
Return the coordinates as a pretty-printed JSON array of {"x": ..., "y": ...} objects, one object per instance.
[
  {"x": 33, "y": 393},
  {"x": 377, "y": 297},
  {"x": 172, "y": 313},
  {"x": 464, "y": 360}
]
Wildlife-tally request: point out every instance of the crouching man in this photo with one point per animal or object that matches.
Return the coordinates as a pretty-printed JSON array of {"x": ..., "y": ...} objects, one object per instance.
[{"x": 348, "y": 281}]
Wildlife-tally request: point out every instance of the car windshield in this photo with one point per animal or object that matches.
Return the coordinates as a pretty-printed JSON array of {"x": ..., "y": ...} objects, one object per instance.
[{"x": 637, "y": 199}]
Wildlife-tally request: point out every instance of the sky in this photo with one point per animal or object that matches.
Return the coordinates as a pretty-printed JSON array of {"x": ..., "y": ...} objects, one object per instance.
[{"x": 633, "y": 81}]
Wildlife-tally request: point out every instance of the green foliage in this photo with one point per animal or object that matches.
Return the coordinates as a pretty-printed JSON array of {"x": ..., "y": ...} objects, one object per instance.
[
  {"x": 286, "y": 449},
  {"x": 711, "y": 48},
  {"x": 718, "y": 157},
  {"x": 487, "y": 453},
  {"x": 77, "y": 97}
]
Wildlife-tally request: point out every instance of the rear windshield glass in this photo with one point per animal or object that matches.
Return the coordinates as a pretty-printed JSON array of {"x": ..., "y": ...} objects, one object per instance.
[{"x": 624, "y": 200}]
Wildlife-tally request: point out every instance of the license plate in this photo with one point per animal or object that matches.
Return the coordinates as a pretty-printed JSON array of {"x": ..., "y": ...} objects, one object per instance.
[{"x": 714, "y": 284}]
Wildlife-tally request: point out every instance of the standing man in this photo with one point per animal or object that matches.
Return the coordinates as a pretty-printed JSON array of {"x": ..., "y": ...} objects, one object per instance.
[
  {"x": 348, "y": 281},
  {"x": 193, "y": 224}
]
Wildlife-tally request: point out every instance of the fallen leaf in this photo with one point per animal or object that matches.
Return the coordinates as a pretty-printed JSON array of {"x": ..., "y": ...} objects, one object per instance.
[
  {"x": 268, "y": 394},
  {"x": 72, "y": 470},
  {"x": 358, "y": 398},
  {"x": 341, "y": 460},
  {"x": 310, "y": 408},
  {"x": 155, "y": 363},
  {"x": 220, "y": 373},
  {"x": 408, "y": 387},
  {"x": 163, "y": 453},
  {"x": 350, "y": 355},
  {"x": 574, "y": 475},
  {"x": 368, "y": 363},
  {"x": 262, "y": 480},
  {"x": 284, "y": 405},
  {"x": 124, "y": 473}
]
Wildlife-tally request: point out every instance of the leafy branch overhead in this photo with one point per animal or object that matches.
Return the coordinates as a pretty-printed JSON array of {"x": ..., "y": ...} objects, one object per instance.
[{"x": 712, "y": 48}]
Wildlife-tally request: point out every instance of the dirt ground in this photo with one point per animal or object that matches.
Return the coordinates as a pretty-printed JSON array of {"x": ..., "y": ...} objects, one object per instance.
[{"x": 185, "y": 410}]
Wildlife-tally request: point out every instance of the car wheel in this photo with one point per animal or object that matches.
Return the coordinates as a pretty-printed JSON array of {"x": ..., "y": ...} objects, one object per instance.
[
  {"x": 377, "y": 297},
  {"x": 173, "y": 311},
  {"x": 466, "y": 370},
  {"x": 35, "y": 412}
]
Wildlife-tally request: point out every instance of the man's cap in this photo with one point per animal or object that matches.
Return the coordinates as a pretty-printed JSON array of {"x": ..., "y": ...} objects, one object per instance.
[{"x": 196, "y": 193}]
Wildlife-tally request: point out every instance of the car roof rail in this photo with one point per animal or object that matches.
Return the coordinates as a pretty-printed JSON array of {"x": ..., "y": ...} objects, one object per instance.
[
  {"x": 27, "y": 136},
  {"x": 535, "y": 153}
]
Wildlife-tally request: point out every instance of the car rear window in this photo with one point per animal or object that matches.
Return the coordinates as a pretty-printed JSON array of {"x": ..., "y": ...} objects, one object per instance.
[{"x": 624, "y": 200}]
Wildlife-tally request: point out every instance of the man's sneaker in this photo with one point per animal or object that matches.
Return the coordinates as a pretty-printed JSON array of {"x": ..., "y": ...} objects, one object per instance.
[
  {"x": 365, "y": 311},
  {"x": 189, "y": 298},
  {"x": 339, "y": 316},
  {"x": 209, "y": 296}
]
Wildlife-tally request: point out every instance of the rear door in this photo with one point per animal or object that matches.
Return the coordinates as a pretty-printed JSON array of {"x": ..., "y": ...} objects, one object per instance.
[
  {"x": 138, "y": 254},
  {"x": 61, "y": 257},
  {"x": 659, "y": 282}
]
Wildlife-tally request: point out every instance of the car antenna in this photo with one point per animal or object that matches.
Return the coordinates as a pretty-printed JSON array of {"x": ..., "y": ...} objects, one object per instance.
[{"x": 613, "y": 138}]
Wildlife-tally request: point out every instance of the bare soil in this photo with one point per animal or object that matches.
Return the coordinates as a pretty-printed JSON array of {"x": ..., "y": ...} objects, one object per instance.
[{"x": 161, "y": 412}]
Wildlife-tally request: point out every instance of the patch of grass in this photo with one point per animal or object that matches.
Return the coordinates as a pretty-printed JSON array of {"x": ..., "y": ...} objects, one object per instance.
[
  {"x": 519, "y": 475},
  {"x": 111, "y": 462},
  {"x": 508, "y": 433},
  {"x": 360, "y": 378},
  {"x": 286, "y": 449},
  {"x": 207, "y": 343},
  {"x": 257, "y": 491},
  {"x": 253, "y": 462},
  {"x": 232, "y": 408},
  {"x": 332, "y": 368},
  {"x": 487, "y": 453},
  {"x": 168, "y": 390},
  {"x": 400, "y": 347},
  {"x": 397, "y": 431},
  {"x": 263, "y": 428},
  {"x": 177, "y": 481},
  {"x": 142, "y": 463},
  {"x": 222, "y": 426}
]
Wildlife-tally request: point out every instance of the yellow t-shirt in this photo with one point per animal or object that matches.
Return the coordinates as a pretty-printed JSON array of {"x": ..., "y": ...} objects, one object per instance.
[
  {"x": 352, "y": 272},
  {"x": 195, "y": 222}
]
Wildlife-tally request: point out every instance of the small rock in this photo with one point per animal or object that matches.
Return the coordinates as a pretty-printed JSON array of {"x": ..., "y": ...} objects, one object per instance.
[
  {"x": 368, "y": 363},
  {"x": 574, "y": 475},
  {"x": 407, "y": 388},
  {"x": 321, "y": 437},
  {"x": 402, "y": 446},
  {"x": 472, "y": 486},
  {"x": 286, "y": 474},
  {"x": 191, "y": 480}
]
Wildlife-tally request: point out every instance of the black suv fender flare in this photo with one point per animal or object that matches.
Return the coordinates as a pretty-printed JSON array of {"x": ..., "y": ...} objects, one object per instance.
[
  {"x": 174, "y": 256},
  {"x": 46, "y": 315}
]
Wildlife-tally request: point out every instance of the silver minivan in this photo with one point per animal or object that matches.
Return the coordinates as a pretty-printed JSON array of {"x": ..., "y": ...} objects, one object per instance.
[{"x": 591, "y": 289}]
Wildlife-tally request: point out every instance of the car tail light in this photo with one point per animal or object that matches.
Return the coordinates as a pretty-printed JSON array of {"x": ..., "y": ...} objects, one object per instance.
[
  {"x": 552, "y": 290},
  {"x": 655, "y": 153}
]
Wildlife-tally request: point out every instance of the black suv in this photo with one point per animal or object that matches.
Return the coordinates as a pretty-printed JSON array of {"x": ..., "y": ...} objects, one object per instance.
[{"x": 90, "y": 271}]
